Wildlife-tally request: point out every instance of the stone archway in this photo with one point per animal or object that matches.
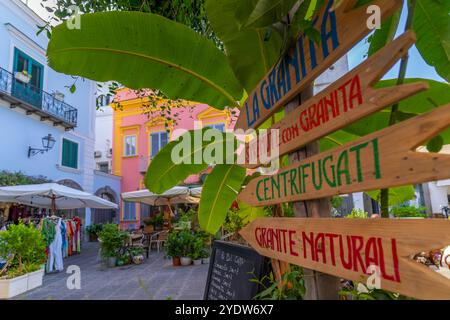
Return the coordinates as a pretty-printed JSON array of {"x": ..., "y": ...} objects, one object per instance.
[
  {"x": 101, "y": 216},
  {"x": 71, "y": 184}
]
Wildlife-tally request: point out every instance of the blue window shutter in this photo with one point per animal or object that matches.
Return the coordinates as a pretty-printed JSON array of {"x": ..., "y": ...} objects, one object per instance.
[
  {"x": 164, "y": 139},
  {"x": 129, "y": 211},
  {"x": 155, "y": 144}
]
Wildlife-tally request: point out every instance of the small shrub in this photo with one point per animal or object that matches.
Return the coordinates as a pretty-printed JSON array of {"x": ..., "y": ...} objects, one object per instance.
[
  {"x": 408, "y": 211},
  {"x": 26, "y": 247}
]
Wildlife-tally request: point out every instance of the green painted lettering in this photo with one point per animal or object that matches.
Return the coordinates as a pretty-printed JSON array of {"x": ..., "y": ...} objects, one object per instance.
[
  {"x": 293, "y": 175},
  {"x": 357, "y": 150},
  {"x": 343, "y": 158},
  {"x": 331, "y": 183},
  {"x": 317, "y": 186}
]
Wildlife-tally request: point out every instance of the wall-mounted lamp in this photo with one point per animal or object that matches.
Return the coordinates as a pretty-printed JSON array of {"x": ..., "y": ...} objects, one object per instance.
[{"x": 47, "y": 143}]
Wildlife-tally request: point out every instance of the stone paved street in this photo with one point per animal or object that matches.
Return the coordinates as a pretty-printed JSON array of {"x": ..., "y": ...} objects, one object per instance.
[{"x": 155, "y": 279}]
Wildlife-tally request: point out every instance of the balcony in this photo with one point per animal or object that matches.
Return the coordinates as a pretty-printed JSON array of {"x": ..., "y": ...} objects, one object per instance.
[{"x": 36, "y": 101}]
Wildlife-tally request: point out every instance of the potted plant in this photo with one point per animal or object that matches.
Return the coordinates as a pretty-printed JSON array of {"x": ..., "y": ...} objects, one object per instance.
[
  {"x": 22, "y": 76},
  {"x": 149, "y": 228},
  {"x": 93, "y": 231},
  {"x": 197, "y": 249},
  {"x": 186, "y": 241},
  {"x": 24, "y": 247},
  {"x": 111, "y": 240},
  {"x": 205, "y": 256},
  {"x": 58, "y": 95},
  {"x": 173, "y": 247},
  {"x": 137, "y": 255},
  {"x": 158, "y": 222}
]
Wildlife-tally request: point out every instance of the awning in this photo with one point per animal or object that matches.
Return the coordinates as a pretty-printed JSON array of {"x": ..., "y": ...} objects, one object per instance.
[
  {"x": 172, "y": 196},
  {"x": 53, "y": 196}
]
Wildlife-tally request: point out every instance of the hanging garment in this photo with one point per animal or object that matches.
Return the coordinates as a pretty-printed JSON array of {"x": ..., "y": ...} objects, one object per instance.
[
  {"x": 55, "y": 260},
  {"x": 64, "y": 238},
  {"x": 70, "y": 238},
  {"x": 49, "y": 231},
  {"x": 78, "y": 233},
  {"x": 74, "y": 236}
]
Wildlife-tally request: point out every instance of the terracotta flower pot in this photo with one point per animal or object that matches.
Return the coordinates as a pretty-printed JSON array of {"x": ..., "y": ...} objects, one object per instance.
[{"x": 176, "y": 261}]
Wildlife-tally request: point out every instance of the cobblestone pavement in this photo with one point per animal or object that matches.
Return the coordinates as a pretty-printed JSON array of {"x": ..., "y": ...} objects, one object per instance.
[{"x": 155, "y": 279}]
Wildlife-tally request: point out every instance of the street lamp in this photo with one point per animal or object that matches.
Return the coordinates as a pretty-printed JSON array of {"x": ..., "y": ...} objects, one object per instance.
[{"x": 47, "y": 143}]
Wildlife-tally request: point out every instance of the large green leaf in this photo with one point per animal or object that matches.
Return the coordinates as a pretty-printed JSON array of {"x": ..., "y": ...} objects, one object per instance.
[
  {"x": 336, "y": 139},
  {"x": 164, "y": 172},
  {"x": 431, "y": 23},
  {"x": 142, "y": 50},
  {"x": 249, "y": 213},
  {"x": 251, "y": 52},
  {"x": 381, "y": 37},
  {"x": 267, "y": 12},
  {"x": 219, "y": 191},
  {"x": 397, "y": 195}
]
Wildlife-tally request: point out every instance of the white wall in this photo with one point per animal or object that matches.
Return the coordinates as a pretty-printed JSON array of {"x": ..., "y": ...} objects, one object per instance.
[
  {"x": 438, "y": 195},
  {"x": 104, "y": 133}
]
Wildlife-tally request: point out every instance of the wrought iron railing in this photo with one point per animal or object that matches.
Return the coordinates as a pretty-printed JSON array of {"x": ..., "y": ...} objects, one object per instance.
[{"x": 37, "y": 98}]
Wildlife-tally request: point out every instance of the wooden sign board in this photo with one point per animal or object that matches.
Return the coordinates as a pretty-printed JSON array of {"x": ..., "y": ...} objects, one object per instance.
[
  {"x": 347, "y": 100},
  {"x": 347, "y": 247},
  {"x": 340, "y": 29},
  {"x": 386, "y": 158},
  {"x": 231, "y": 268}
]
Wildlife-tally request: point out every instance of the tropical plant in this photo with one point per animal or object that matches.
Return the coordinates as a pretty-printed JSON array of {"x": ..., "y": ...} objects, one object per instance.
[
  {"x": 143, "y": 46},
  {"x": 26, "y": 247},
  {"x": 292, "y": 286},
  {"x": 408, "y": 211},
  {"x": 111, "y": 240}
]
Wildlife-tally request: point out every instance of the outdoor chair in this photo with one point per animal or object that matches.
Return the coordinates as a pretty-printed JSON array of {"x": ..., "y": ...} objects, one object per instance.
[{"x": 158, "y": 239}]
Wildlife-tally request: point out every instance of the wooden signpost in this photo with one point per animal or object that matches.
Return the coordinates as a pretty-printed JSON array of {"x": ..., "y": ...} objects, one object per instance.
[
  {"x": 384, "y": 158},
  {"x": 347, "y": 247},
  {"x": 347, "y": 100},
  {"x": 340, "y": 29}
]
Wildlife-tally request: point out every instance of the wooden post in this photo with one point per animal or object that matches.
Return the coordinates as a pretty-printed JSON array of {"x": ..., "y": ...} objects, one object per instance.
[{"x": 319, "y": 286}]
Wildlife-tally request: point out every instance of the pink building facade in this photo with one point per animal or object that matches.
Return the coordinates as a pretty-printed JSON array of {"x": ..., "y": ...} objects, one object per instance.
[{"x": 139, "y": 135}]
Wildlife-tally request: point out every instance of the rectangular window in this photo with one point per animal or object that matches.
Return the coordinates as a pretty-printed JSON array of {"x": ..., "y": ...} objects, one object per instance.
[
  {"x": 23, "y": 62},
  {"x": 129, "y": 146},
  {"x": 157, "y": 140},
  {"x": 69, "y": 154},
  {"x": 27, "y": 90},
  {"x": 217, "y": 126},
  {"x": 103, "y": 167},
  {"x": 129, "y": 211}
]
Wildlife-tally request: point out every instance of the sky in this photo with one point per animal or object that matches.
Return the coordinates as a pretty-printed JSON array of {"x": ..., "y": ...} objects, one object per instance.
[{"x": 417, "y": 67}]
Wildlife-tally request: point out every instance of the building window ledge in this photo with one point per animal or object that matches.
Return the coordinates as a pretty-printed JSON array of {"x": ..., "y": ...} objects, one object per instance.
[{"x": 67, "y": 169}]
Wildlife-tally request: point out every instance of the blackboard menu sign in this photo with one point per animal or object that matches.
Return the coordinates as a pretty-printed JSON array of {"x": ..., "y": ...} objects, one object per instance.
[{"x": 231, "y": 268}]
